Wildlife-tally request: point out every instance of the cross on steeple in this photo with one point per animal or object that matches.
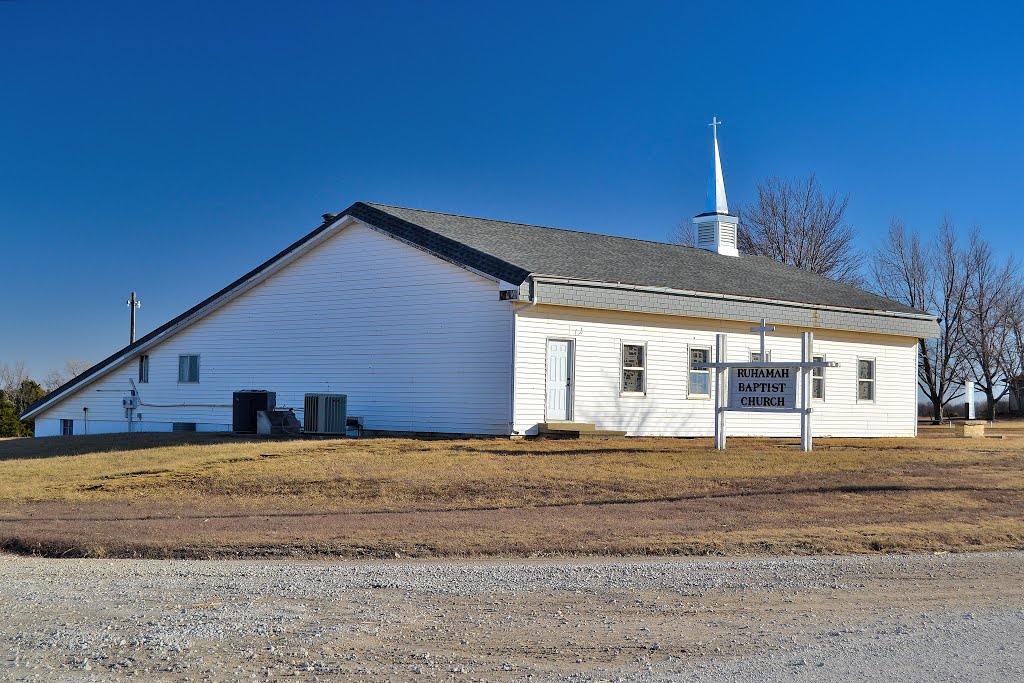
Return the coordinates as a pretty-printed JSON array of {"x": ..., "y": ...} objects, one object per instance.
[
  {"x": 715, "y": 123},
  {"x": 763, "y": 328}
]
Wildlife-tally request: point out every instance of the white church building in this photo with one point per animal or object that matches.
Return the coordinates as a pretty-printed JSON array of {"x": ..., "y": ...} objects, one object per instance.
[{"x": 438, "y": 323}]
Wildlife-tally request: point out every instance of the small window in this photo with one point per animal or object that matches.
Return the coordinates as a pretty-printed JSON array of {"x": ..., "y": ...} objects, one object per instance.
[
  {"x": 67, "y": 427},
  {"x": 634, "y": 357},
  {"x": 818, "y": 379},
  {"x": 865, "y": 379},
  {"x": 143, "y": 369},
  {"x": 755, "y": 356},
  {"x": 699, "y": 380},
  {"x": 188, "y": 369}
]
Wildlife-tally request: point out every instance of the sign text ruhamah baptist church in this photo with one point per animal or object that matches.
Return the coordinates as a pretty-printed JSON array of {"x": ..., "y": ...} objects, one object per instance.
[{"x": 762, "y": 388}]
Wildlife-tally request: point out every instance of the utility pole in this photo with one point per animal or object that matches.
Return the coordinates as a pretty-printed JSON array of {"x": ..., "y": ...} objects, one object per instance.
[{"x": 133, "y": 303}]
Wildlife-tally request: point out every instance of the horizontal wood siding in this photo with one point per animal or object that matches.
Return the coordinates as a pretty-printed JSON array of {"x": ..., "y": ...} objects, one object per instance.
[
  {"x": 416, "y": 343},
  {"x": 666, "y": 410}
]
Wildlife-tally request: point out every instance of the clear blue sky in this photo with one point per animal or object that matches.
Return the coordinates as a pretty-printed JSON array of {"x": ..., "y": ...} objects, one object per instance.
[{"x": 168, "y": 147}]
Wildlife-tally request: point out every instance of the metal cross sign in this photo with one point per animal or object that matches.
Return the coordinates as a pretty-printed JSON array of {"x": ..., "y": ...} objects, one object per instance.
[
  {"x": 763, "y": 328},
  {"x": 768, "y": 386}
]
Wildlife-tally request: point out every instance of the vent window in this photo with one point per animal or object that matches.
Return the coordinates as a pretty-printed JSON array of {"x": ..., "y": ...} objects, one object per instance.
[
  {"x": 183, "y": 427},
  {"x": 728, "y": 234},
  {"x": 143, "y": 369},
  {"x": 706, "y": 234}
]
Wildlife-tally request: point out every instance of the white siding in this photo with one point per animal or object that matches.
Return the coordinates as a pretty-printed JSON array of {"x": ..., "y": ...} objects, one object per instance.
[
  {"x": 666, "y": 410},
  {"x": 417, "y": 343}
]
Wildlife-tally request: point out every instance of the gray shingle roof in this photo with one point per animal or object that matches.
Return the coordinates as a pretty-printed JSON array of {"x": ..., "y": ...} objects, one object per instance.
[{"x": 513, "y": 251}]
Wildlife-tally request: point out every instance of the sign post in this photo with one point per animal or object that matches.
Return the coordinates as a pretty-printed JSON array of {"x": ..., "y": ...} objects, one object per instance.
[
  {"x": 765, "y": 387},
  {"x": 806, "y": 356},
  {"x": 720, "y": 394}
]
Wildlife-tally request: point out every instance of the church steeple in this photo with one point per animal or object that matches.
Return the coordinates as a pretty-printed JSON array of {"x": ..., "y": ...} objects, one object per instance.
[
  {"x": 715, "y": 201},
  {"x": 716, "y": 227}
]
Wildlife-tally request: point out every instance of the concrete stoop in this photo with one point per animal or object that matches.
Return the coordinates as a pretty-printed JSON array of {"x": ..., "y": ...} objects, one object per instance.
[{"x": 585, "y": 431}]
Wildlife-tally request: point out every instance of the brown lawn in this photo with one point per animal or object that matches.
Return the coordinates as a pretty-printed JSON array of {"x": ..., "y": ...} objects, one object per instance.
[{"x": 173, "y": 495}]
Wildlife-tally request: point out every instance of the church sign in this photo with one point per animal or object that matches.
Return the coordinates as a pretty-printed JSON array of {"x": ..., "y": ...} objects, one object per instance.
[
  {"x": 761, "y": 387},
  {"x": 764, "y": 386}
]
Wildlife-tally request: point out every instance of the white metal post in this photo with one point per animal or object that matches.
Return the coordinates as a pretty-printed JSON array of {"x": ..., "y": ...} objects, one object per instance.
[
  {"x": 720, "y": 389},
  {"x": 806, "y": 356}
]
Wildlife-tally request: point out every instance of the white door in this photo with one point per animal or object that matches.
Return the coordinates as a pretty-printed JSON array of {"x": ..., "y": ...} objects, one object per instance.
[{"x": 559, "y": 406}]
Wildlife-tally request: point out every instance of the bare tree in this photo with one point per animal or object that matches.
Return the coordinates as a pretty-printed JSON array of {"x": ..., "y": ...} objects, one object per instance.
[
  {"x": 684, "y": 234},
  {"x": 54, "y": 379},
  {"x": 17, "y": 391},
  {"x": 988, "y": 335},
  {"x": 934, "y": 279},
  {"x": 73, "y": 367},
  {"x": 11, "y": 379},
  {"x": 795, "y": 222},
  {"x": 1015, "y": 321}
]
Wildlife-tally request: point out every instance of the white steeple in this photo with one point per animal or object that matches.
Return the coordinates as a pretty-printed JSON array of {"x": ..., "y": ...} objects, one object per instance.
[
  {"x": 715, "y": 201},
  {"x": 716, "y": 228}
]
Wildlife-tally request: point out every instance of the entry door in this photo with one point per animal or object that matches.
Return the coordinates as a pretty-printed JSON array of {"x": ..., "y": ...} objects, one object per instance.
[{"x": 559, "y": 406}]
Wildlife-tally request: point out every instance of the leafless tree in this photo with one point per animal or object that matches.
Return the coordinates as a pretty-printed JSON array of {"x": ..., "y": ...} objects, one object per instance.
[
  {"x": 935, "y": 279},
  {"x": 73, "y": 367},
  {"x": 988, "y": 334},
  {"x": 797, "y": 223},
  {"x": 54, "y": 378},
  {"x": 684, "y": 234},
  {"x": 11, "y": 378},
  {"x": 1015, "y": 320}
]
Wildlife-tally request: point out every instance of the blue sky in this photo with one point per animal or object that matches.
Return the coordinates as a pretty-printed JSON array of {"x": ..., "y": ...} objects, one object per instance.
[{"x": 168, "y": 147}]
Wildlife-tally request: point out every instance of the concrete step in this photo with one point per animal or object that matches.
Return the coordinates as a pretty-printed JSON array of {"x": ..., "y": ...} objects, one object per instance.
[
  {"x": 567, "y": 427},
  {"x": 575, "y": 430}
]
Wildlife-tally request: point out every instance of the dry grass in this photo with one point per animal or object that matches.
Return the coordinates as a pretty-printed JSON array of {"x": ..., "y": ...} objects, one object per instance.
[{"x": 143, "y": 494}]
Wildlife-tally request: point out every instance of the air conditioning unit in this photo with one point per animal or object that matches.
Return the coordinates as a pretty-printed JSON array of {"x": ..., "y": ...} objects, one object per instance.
[{"x": 325, "y": 414}]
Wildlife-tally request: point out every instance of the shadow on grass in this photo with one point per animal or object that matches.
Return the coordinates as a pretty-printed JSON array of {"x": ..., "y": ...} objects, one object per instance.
[
  {"x": 81, "y": 512},
  {"x": 30, "y": 448}
]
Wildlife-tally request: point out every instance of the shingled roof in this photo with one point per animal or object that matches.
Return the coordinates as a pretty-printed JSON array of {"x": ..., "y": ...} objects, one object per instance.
[{"x": 514, "y": 251}]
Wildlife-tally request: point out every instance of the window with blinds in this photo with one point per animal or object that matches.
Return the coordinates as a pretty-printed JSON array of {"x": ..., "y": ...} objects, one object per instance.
[
  {"x": 634, "y": 369},
  {"x": 188, "y": 369},
  {"x": 698, "y": 382}
]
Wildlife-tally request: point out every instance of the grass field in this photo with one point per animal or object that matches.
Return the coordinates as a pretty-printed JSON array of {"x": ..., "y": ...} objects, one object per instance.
[{"x": 172, "y": 495}]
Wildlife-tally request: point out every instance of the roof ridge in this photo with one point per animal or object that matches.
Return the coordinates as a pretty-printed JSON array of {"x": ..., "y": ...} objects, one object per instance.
[{"x": 531, "y": 225}]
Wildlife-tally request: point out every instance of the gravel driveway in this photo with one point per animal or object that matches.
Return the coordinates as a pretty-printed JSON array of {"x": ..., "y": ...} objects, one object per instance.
[{"x": 871, "y": 618}]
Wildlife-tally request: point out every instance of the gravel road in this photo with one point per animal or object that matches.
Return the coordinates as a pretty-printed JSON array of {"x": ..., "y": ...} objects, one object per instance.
[{"x": 871, "y": 618}]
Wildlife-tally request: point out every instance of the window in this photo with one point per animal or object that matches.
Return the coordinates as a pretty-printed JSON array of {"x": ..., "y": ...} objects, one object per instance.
[
  {"x": 67, "y": 427},
  {"x": 755, "y": 356},
  {"x": 188, "y": 368},
  {"x": 818, "y": 379},
  {"x": 865, "y": 379},
  {"x": 634, "y": 368},
  {"x": 699, "y": 380},
  {"x": 143, "y": 369}
]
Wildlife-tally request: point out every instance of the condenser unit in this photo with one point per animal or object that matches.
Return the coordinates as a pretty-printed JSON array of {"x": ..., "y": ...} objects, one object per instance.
[{"x": 325, "y": 414}]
